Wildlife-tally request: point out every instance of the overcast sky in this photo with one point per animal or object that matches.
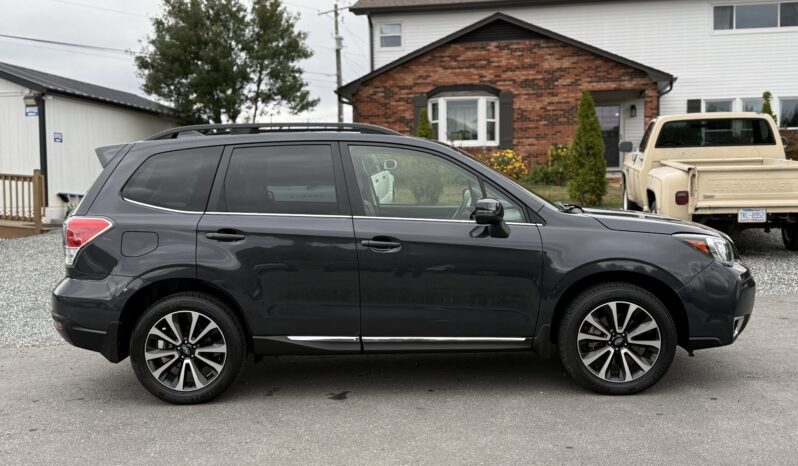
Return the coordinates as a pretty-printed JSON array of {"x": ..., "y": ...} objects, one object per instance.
[{"x": 123, "y": 24}]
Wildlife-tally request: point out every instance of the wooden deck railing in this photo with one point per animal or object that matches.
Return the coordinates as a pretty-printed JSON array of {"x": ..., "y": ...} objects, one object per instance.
[{"x": 22, "y": 198}]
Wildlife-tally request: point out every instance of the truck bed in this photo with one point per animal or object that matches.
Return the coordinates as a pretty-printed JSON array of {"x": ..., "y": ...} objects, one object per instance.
[{"x": 723, "y": 186}]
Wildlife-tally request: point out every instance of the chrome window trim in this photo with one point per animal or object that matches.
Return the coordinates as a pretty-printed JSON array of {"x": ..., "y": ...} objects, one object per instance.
[
  {"x": 270, "y": 214},
  {"x": 415, "y": 219},
  {"x": 440, "y": 339},
  {"x": 329, "y": 339},
  {"x": 165, "y": 209}
]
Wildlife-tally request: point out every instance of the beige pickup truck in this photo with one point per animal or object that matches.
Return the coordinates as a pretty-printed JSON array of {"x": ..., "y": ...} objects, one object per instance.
[{"x": 726, "y": 170}]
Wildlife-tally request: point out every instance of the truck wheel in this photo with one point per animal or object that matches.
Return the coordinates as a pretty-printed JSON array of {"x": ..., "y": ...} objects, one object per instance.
[
  {"x": 628, "y": 204},
  {"x": 187, "y": 348},
  {"x": 617, "y": 339},
  {"x": 789, "y": 235}
]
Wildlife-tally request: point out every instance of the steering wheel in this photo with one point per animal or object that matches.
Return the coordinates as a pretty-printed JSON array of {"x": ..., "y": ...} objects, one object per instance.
[{"x": 468, "y": 203}]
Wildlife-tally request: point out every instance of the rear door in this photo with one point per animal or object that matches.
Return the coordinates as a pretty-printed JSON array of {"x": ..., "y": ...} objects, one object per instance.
[
  {"x": 429, "y": 276},
  {"x": 278, "y": 236}
]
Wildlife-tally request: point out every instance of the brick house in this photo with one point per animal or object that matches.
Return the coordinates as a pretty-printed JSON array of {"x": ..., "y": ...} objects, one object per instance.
[{"x": 505, "y": 83}]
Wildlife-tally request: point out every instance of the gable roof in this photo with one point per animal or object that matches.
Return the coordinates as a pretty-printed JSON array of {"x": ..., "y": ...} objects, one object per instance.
[
  {"x": 516, "y": 24},
  {"x": 40, "y": 81},
  {"x": 394, "y": 6}
]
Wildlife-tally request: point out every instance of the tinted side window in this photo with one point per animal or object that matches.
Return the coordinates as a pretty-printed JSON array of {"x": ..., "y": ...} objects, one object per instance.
[
  {"x": 178, "y": 180},
  {"x": 715, "y": 133},
  {"x": 413, "y": 184},
  {"x": 281, "y": 180}
]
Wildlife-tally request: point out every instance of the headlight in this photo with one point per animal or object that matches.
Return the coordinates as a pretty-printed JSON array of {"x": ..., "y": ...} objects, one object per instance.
[{"x": 719, "y": 249}]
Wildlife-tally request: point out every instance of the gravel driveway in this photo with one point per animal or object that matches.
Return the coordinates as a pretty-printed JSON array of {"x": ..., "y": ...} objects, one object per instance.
[{"x": 32, "y": 267}]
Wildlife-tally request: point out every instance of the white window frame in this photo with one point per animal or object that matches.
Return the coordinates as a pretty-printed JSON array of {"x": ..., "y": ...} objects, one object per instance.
[
  {"x": 777, "y": 111},
  {"x": 742, "y": 103},
  {"x": 733, "y": 101},
  {"x": 734, "y": 30},
  {"x": 378, "y": 30},
  {"x": 482, "y": 125}
]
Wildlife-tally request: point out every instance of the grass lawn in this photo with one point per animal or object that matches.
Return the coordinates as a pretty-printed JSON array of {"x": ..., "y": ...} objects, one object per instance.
[{"x": 612, "y": 200}]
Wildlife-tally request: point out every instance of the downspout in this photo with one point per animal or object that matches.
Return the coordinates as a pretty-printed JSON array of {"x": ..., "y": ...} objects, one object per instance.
[
  {"x": 43, "y": 146},
  {"x": 371, "y": 43}
]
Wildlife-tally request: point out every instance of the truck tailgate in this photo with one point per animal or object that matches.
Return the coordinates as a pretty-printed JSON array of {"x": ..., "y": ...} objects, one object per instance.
[{"x": 720, "y": 186}]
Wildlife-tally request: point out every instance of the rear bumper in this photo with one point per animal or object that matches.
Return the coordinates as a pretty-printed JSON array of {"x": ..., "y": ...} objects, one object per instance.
[
  {"x": 86, "y": 313},
  {"x": 718, "y": 303}
]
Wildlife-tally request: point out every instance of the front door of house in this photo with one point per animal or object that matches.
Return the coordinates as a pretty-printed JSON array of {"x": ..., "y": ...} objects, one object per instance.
[{"x": 610, "y": 119}]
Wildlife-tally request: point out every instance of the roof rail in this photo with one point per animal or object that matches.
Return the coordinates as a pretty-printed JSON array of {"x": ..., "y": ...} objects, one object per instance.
[{"x": 259, "y": 128}]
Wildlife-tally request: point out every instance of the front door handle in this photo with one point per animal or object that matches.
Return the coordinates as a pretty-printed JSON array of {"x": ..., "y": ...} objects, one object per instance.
[
  {"x": 381, "y": 244},
  {"x": 225, "y": 236}
]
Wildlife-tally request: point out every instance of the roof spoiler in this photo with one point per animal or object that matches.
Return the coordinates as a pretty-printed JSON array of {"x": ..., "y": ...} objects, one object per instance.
[{"x": 107, "y": 153}]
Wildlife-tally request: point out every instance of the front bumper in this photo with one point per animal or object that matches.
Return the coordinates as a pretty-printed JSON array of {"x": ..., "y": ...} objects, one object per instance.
[
  {"x": 86, "y": 313},
  {"x": 718, "y": 303}
]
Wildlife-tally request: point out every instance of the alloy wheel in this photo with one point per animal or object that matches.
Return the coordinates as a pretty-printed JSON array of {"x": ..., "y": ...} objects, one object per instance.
[
  {"x": 185, "y": 351},
  {"x": 619, "y": 341}
]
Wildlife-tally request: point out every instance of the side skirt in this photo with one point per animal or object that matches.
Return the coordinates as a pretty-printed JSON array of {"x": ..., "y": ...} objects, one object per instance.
[{"x": 290, "y": 345}]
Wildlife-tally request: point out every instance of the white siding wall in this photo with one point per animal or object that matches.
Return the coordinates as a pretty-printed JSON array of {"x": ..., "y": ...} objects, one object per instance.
[
  {"x": 674, "y": 36},
  {"x": 19, "y": 135},
  {"x": 73, "y": 165}
]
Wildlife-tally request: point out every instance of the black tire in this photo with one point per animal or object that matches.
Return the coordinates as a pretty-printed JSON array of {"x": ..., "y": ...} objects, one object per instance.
[
  {"x": 593, "y": 299},
  {"x": 628, "y": 204},
  {"x": 789, "y": 235},
  {"x": 209, "y": 308}
]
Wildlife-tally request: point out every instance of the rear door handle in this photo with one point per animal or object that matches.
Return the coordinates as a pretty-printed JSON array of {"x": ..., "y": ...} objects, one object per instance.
[
  {"x": 381, "y": 245},
  {"x": 225, "y": 237}
]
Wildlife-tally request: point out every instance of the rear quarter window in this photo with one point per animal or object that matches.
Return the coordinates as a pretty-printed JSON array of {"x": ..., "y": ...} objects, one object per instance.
[
  {"x": 715, "y": 132},
  {"x": 179, "y": 180}
]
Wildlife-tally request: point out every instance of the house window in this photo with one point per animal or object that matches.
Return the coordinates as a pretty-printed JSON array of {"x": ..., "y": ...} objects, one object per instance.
[
  {"x": 755, "y": 16},
  {"x": 753, "y": 105},
  {"x": 468, "y": 121},
  {"x": 788, "y": 116},
  {"x": 720, "y": 105},
  {"x": 390, "y": 35}
]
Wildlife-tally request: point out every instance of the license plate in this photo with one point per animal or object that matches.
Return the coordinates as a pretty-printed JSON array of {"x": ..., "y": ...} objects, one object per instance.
[{"x": 752, "y": 216}]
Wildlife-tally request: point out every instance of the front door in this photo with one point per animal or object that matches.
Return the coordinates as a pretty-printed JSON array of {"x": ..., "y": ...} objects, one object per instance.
[
  {"x": 428, "y": 276},
  {"x": 278, "y": 236},
  {"x": 609, "y": 117}
]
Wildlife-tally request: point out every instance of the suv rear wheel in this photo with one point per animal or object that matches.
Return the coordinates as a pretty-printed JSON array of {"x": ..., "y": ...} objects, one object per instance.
[
  {"x": 617, "y": 339},
  {"x": 187, "y": 348}
]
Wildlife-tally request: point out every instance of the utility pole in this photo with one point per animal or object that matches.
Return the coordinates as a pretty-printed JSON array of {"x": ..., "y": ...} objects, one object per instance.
[{"x": 339, "y": 44}]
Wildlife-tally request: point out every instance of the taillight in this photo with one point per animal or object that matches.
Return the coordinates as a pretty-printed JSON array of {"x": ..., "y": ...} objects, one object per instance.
[
  {"x": 80, "y": 231},
  {"x": 682, "y": 197}
]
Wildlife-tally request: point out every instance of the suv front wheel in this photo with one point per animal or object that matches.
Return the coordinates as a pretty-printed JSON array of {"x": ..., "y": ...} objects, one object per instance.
[
  {"x": 617, "y": 339},
  {"x": 187, "y": 348}
]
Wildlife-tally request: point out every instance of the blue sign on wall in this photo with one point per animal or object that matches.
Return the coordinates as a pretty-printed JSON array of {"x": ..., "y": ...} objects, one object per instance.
[
  {"x": 31, "y": 111},
  {"x": 58, "y": 137}
]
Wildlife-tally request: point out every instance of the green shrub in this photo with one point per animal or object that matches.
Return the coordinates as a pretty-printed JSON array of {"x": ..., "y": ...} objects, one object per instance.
[
  {"x": 560, "y": 164},
  {"x": 589, "y": 169},
  {"x": 423, "y": 178},
  {"x": 767, "y": 109},
  {"x": 424, "y": 126}
]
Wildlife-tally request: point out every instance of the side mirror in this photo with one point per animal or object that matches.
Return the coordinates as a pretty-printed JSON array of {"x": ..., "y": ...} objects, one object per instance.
[
  {"x": 389, "y": 164},
  {"x": 626, "y": 146},
  {"x": 490, "y": 212}
]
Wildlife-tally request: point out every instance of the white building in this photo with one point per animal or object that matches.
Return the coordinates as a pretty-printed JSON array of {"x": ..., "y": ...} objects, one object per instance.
[
  {"x": 724, "y": 54},
  {"x": 54, "y": 124}
]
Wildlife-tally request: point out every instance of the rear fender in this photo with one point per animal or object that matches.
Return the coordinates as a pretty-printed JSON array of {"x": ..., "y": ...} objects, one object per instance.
[{"x": 664, "y": 183}]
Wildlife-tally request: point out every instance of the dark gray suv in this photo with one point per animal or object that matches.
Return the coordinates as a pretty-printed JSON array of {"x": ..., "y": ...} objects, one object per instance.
[{"x": 205, "y": 245}]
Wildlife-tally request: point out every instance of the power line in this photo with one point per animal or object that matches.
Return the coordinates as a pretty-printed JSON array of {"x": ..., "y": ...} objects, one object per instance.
[
  {"x": 80, "y": 52},
  {"x": 67, "y": 44}
]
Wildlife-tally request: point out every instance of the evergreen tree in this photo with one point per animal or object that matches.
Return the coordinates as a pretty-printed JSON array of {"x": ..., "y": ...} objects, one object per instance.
[
  {"x": 424, "y": 126},
  {"x": 589, "y": 183},
  {"x": 766, "y": 108}
]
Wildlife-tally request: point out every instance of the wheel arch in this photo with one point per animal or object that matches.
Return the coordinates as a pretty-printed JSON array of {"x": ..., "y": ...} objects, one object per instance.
[
  {"x": 155, "y": 290},
  {"x": 650, "y": 282}
]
